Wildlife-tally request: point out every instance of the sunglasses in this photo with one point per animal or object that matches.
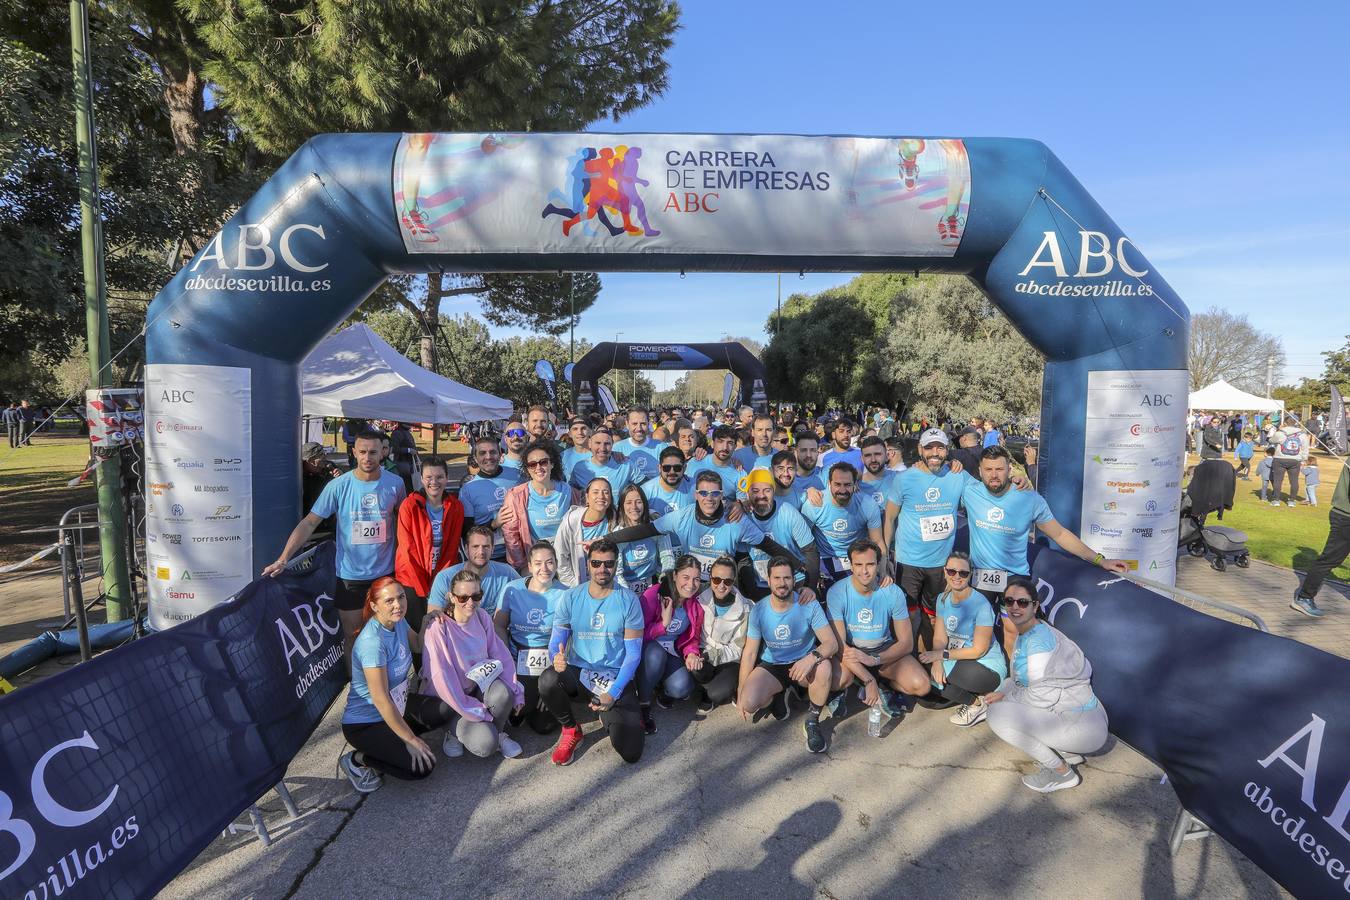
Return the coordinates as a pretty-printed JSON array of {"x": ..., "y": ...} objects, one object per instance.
[
  {"x": 1010, "y": 602},
  {"x": 475, "y": 597},
  {"x": 780, "y": 440},
  {"x": 516, "y": 432},
  {"x": 709, "y": 493},
  {"x": 721, "y": 582},
  {"x": 602, "y": 563},
  {"x": 958, "y": 573},
  {"x": 539, "y": 464},
  {"x": 678, "y": 467}
]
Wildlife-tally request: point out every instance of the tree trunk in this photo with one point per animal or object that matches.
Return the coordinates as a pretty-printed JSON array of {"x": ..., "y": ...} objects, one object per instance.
[{"x": 431, "y": 317}]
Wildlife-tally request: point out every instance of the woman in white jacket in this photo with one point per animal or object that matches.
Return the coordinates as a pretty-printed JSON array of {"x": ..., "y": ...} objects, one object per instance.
[
  {"x": 726, "y": 619},
  {"x": 579, "y": 526},
  {"x": 1045, "y": 707}
]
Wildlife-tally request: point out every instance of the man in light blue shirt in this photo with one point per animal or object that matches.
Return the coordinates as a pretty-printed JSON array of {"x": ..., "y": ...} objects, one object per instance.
[
  {"x": 877, "y": 480},
  {"x": 720, "y": 460},
  {"x": 602, "y": 464},
  {"x": 842, "y": 449},
  {"x": 579, "y": 433},
  {"x": 840, "y": 519},
  {"x": 760, "y": 452},
  {"x": 1003, "y": 520},
  {"x": 638, "y": 450},
  {"x": 783, "y": 523},
  {"x": 484, "y": 494},
  {"x": 671, "y": 490},
  {"x": 793, "y": 484},
  {"x": 493, "y": 576}
]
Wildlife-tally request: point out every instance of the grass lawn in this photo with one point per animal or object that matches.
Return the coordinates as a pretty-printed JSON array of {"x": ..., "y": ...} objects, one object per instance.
[
  {"x": 1292, "y": 538},
  {"x": 33, "y": 491}
]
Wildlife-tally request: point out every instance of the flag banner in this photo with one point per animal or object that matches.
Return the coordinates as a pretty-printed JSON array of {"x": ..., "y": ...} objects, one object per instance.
[
  {"x": 726, "y": 390},
  {"x": 607, "y": 400},
  {"x": 1336, "y": 424},
  {"x": 116, "y": 774}
]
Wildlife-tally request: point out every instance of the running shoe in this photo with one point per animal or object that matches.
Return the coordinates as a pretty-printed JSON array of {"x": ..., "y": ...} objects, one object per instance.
[
  {"x": 1073, "y": 759},
  {"x": 451, "y": 746},
  {"x": 1307, "y": 606},
  {"x": 663, "y": 699},
  {"x": 838, "y": 705},
  {"x": 1292, "y": 504},
  {"x": 970, "y": 713},
  {"x": 648, "y": 721},
  {"x": 1274, "y": 503},
  {"x": 815, "y": 740},
  {"x": 567, "y": 746},
  {"x": 416, "y": 225},
  {"x": 363, "y": 778},
  {"x": 510, "y": 749},
  {"x": 892, "y": 703},
  {"x": 778, "y": 706},
  {"x": 1045, "y": 781}
]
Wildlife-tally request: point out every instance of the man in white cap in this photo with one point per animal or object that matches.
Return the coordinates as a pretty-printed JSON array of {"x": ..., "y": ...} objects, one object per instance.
[{"x": 924, "y": 498}]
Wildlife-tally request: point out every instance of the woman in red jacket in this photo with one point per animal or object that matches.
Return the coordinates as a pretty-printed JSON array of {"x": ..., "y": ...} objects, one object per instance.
[
  {"x": 429, "y": 526},
  {"x": 673, "y": 640}
]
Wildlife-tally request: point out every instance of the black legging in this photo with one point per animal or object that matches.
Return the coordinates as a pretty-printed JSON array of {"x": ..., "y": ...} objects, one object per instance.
[
  {"x": 539, "y": 719},
  {"x": 561, "y": 689},
  {"x": 385, "y": 751},
  {"x": 1278, "y": 469},
  {"x": 719, "y": 682},
  {"x": 968, "y": 680}
]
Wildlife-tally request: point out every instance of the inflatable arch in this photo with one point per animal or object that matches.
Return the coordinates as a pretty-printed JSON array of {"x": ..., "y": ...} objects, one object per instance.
[
  {"x": 226, "y": 336},
  {"x": 607, "y": 355}
]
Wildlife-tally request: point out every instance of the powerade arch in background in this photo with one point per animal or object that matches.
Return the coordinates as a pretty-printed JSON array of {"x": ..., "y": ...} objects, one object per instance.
[
  {"x": 607, "y": 355},
  {"x": 226, "y": 336}
]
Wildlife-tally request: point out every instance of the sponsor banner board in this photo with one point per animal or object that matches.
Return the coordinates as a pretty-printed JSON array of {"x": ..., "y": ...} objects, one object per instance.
[
  {"x": 116, "y": 774},
  {"x": 1264, "y": 762},
  {"x": 1133, "y": 453},
  {"x": 681, "y": 194},
  {"x": 199, "y": 489}
]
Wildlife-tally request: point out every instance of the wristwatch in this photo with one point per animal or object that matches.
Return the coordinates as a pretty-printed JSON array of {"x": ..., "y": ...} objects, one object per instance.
[
  {"x": 816, "y": 654},
  {"x": 946, "y": 654}
]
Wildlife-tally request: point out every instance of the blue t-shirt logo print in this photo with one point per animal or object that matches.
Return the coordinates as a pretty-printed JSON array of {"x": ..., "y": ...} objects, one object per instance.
[
  {"x": 932, "y": 494},
  {"x": 598, "y": 621},
  {"x": 782, "y": 632}
]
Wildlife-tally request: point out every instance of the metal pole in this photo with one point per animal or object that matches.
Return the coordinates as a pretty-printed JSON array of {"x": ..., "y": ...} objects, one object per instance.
[
  {"x": 111, "y": 511},
  {"x": 70, "y": 574},
  {"x": 1270, "y": 373},
  {"x": 572, "y": 322}
]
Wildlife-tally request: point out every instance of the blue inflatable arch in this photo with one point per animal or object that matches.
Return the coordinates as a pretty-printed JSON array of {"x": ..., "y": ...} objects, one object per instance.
[{"x": 226, "y": 336}]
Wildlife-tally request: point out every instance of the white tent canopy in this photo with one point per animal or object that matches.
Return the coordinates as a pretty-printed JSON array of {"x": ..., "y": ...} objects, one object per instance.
[
  {"x": 1223, "y": 397},
  {"x": 354, "y": 374}
]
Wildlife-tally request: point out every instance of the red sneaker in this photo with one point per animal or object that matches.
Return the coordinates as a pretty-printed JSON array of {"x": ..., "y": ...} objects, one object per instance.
[
  {"x": 416, "y": 224},
  {"x": 567, "y": 746}
]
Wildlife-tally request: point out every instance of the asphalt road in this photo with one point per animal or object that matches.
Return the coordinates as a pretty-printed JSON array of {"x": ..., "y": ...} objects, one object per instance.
[{"x": 719, "y": 808}]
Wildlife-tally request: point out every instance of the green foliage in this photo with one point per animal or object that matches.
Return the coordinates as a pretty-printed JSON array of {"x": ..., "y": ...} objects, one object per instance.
[
  {"x": 290, "y": 70},
  {"x": 1314, "y": 392},
  {"x": 1338, "y": 367},
  {"x": 930, "y": 345}
]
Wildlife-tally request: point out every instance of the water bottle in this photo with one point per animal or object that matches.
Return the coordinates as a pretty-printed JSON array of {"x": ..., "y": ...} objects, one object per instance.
[{"x": 874, "y": 721}]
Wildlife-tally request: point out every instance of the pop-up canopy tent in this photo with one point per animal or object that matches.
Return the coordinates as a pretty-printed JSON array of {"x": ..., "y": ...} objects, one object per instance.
[
  {"x": 1223, "y": 397},
  {"x": 356, "y": 375}
]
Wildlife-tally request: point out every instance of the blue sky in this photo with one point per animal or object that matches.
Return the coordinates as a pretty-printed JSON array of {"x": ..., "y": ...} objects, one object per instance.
[{"x": 1215, "y": 135}]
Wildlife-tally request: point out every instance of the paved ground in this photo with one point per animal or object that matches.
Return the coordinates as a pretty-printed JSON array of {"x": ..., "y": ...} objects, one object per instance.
[{"x": 717, "y": 808}]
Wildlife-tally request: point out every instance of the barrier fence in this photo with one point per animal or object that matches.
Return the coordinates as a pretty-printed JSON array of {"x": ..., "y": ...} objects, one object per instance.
[{"x": 116, "y": 774}]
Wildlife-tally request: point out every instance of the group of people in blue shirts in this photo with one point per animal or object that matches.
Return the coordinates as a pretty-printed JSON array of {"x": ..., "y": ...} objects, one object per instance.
[{"x": 768, "y": 575}]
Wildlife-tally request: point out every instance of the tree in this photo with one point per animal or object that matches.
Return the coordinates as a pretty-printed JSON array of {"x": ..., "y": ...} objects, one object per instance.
[
  {"x": 823, "y": 349},
  {"x": 1225, "y": 345},
  {"x": 289, "y": 71},
  {"x": 1338, "y": 367},
  {"x": 951, "y": 354}
]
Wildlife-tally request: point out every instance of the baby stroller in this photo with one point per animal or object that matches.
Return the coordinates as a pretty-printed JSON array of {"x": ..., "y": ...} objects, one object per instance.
[{"x": 1211, "y": 490}]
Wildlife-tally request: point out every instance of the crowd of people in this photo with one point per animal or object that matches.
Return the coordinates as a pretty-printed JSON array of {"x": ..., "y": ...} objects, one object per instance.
[{"x": 623, "y": 565}]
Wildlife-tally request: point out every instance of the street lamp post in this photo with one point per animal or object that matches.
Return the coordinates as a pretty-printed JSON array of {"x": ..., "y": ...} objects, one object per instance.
[{"x": 617, "y": 335}]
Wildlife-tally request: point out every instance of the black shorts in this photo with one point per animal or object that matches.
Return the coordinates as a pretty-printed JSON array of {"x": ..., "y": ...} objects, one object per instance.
[
  {"x": 351, "y": 595},
  {"x": 778, "y": 671},
  {"x": 922, "y": 585}
]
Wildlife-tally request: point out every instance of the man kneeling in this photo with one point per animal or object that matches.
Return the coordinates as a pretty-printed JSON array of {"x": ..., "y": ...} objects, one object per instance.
[
  {"x": 876, "y": 634},
  {"x": 798, "y": 648},
  {"x": 600, "y": 624}
]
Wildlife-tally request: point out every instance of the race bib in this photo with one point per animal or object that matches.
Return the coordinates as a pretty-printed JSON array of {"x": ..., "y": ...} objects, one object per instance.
[
  {"x": 532, "y": 660},
  {"x": 369, "y": 532},
  {"x": 841, "y": 564},
  {"x": 991, "y": 580},
  {"x": 597, "y": 682},
  {"x": 485, "y": 673},
  {"x": 936, "y": 528},
  {"x": 705, "y": 563},
  {"x": 399, "y": 695}
]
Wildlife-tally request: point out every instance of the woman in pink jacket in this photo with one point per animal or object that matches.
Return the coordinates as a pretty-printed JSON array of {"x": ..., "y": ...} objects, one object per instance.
[
  {"x": 471, "y": 670},
  {"x": 673, "y": 639}
]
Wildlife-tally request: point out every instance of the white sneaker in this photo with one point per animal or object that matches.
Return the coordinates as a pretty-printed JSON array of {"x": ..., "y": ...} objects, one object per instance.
[
  {"x": 363, "y": 778},
  {"x": 1045, "y": 781},
  {"x": 451, "y": 746},
  {"x": 510, "y": 749},
  {"x": 1072, "y": 759},
  {"x": 1274, "y": 503},
  {"x": 1291, "y": 503},
  {"x": 970, "y": 713}
]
